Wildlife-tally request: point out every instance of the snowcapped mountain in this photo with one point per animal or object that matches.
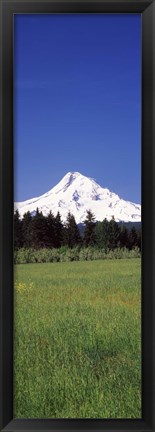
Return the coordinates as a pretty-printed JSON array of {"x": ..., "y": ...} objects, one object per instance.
[{"x": 77, "y": 194}]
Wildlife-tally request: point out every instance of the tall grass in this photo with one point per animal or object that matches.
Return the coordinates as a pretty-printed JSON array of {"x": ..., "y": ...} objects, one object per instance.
[
  {"x": 77, "y": 340},
  {"x": 66, "y": 254}
]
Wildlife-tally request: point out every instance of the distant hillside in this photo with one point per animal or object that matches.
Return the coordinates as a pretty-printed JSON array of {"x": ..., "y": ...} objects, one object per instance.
[{"x": 128, "y": 225}]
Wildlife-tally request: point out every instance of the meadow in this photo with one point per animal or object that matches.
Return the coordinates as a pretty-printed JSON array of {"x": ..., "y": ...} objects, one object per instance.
[{"x": 77, "y": 339}]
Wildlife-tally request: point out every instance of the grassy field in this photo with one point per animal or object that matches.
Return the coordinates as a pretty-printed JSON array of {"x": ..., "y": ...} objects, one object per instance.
[{"x": 77, "y": 340}]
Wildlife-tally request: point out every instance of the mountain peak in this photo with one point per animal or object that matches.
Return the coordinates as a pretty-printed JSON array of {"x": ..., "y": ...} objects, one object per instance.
[
  {"x": 75, "y": 175},
  {"x": 71, "y": 175},
  {"x": 67, "y": 181},
  {"x": 77, "y": 193}
]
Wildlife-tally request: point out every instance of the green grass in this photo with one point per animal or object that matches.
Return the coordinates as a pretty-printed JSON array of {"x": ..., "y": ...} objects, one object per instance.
[{"x": 77, "y": 340}]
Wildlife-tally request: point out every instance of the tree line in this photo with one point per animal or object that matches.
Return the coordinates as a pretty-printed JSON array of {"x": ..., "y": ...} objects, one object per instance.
[{"x": 41, "y": 231}]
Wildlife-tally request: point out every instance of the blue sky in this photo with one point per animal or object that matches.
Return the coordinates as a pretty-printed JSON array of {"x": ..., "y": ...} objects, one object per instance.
[{"x": 77, "y": 101}]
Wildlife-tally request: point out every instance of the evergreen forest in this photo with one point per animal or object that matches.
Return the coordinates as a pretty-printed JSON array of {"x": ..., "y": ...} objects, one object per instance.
[{"x": 44, "y": 233}]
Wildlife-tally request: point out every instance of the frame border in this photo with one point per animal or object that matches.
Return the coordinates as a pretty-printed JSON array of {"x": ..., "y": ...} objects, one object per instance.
[{"x": 7, "y": 10}]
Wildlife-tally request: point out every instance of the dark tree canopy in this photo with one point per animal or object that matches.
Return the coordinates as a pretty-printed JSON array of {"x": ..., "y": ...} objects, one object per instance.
[
  {"x": 27, "y": 229},
  {"x": 18, "y": 235},
  {"x": 72, "y": 234},
  {"x": 49, "y": 232},
  {"x": 89, "y": 231}
]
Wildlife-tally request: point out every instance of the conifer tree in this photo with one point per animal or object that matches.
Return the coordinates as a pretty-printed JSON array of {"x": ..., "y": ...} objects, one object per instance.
[
  {"x": 26, "y": 230},
  {"x": 114, "y": 232},
  {"x": 89, "y": 230},
  {"x": 102, "y": 234},
  {"x": 50, "y": 233},
  {"x": 133, "y": 238},
  {"x": 72, "y": 234},
  {"x": 58, "y": 227},
  {"x": 123, "y": 237},
  {"x": 18, "y": 238},
  {"x": 39, "y": 228}
]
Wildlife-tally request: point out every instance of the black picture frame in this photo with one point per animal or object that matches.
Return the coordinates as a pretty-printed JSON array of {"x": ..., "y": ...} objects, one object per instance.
[{"x": 147, "y": 10}]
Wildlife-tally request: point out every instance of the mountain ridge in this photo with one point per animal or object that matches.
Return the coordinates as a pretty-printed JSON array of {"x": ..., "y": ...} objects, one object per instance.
[{"x": 77, "y": 193}]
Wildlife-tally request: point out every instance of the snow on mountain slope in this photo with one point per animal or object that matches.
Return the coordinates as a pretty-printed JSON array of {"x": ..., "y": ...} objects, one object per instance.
[{"x": 77, "y": 194}]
